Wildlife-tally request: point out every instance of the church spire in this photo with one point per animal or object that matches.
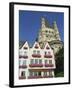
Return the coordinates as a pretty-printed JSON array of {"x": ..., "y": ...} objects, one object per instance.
[
  {"x": 44, "y": 23},
  {"x": 55, "y": 26},
  {"x": 56, "y": 30}
]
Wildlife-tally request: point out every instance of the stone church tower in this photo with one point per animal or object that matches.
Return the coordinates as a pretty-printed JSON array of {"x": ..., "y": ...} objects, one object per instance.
[{"x": 49, "y": 34}]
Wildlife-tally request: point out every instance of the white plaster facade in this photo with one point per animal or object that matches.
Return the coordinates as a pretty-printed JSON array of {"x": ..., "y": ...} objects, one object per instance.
[{"x": 36, "y": 62}]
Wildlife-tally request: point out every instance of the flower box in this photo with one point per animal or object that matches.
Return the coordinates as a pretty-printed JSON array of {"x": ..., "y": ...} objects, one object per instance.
[
  {"x": 22, "y": 66},
  {"x": 36, "y": 55},
  {"x": 36, "y": 65},
  {"x": 49, "y": 65},
  {"x": 25, "y": 57},
  {"x": 47, "y": 56}
]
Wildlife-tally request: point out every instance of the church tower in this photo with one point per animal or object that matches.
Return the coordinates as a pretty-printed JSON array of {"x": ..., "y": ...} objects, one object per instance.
[
  {"x": 57, "y": 36},
  {"x": 49, "y": 34},
  {"x": 42, "y": 33}
]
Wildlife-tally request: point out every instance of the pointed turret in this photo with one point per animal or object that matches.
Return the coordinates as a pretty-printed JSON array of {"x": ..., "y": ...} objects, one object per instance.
[
  {"x": 44, "y": 23},
  {"x": 55, "y": 26},
  {"x": 56, "y": 31}
]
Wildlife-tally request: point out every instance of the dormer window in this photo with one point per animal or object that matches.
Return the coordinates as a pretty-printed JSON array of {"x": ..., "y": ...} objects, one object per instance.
[
  {"x": 36, "y": 46},
  {"x": 47, "y": 47},
  {"x": 25, "y": 47}
]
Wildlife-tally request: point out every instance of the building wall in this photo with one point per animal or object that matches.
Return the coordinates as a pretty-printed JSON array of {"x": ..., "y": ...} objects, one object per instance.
[{"x": 34, "y": 64}]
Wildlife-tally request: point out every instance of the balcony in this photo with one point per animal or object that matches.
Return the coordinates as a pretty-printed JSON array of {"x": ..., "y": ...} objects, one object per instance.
[
  {"x": 36, "y": 65},
  {"x": 23, "y": 66},
  {"x": 47, "y": 56},
  {"x": 49, "y": 65},
  {"x": 23, "y": 57},
  {"x": 22, "y": 77},
  {"x": 34, "y": 77},
  {"x": 36, "y": 55}
]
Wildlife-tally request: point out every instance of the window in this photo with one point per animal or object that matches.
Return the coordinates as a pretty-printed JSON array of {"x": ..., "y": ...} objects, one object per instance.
[
  {"x": 46, "y": 35},
  {"x": 32, "y": 61},
  {"x": 46, "y": 31},
  {"x": 24, "y": 62},
  {"x": 40, "y": 61},
  {"x": 36, "y": 61},
  {"x": 45, "y": 53},
  {"x": 19, "y": 62},
  {"x": 38, "y": 52},
  {"x": 20, "y": 52},
  {"x": 50, "y": 73},
  {"x": 39, "y": 73},
  {"x": 45, "y": 73},
  {"x": 35, "y": 74},
  {"x": 50, "y": 61},
  {"x": 25, "y": 53},
  {"x": 46, "y": 61},
  {"x": 23, "y": 73},
  {"x": 34, "y": 52},
  {"x": 30, "y": 73}
]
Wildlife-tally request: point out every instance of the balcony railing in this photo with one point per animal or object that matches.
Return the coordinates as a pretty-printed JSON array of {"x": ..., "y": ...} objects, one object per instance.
[
  {"x": 47, "y": 56},
  {"x": 36, "y": 55},
  {"x": 36, "y": 65},
  {"x": 22, "y": 66},
  {"x": 23, "y": 57},
  {"x": 49, "y": 65}
]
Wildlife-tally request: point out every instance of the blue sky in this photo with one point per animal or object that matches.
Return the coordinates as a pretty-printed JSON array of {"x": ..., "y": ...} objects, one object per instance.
[{"x": 30, "y": 23}]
